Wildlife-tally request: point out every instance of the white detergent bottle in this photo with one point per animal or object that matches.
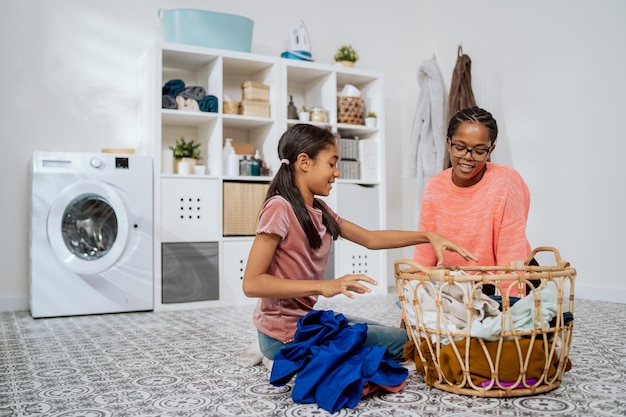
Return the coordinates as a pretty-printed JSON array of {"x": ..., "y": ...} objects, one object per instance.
[
  {"x": 229, "y": 157},
  {"x": 233, "y": 165}
]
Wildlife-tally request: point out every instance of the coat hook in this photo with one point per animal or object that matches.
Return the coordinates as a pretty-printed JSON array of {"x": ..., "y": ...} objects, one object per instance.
[{"x": 460, "y": 50}]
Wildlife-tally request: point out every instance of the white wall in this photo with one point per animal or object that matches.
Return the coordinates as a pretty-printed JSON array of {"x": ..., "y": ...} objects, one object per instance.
[{"x": 551, "y": 72}]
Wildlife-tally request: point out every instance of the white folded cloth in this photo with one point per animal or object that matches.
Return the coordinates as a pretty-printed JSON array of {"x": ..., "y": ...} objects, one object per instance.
[{"x": 187, "y": 104}]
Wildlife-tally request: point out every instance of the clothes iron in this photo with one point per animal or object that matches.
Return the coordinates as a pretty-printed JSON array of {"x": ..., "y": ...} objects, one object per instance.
[{"x": 300, "y": 46}]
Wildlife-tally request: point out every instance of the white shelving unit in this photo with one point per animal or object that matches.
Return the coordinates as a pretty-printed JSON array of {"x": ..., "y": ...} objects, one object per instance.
[{"x": 195, "y": 264}]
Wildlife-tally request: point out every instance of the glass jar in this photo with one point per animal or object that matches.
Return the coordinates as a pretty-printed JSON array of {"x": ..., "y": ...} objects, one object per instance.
[{"x": 319, "y": 114}]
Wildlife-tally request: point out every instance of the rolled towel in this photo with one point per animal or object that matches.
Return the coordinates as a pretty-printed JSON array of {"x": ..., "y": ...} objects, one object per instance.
[
  {"x": 195, "y": 92},
  {"x": 168, "y": 102},
  {"x": 173, "y": 88},
  {"x": 187, "y": 103},
  {"x": 208, "y": 103}
]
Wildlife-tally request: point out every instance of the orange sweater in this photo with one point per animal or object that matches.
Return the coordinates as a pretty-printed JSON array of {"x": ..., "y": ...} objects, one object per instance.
[{"x": 488, "y": 218}]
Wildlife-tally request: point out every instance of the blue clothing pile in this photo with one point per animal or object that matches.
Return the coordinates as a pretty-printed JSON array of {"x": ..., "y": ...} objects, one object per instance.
[{"x": 332, "y": 363}]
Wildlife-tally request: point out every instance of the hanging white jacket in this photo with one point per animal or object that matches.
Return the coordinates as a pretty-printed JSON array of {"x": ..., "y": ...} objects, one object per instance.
[{"x": 426, "y": 151}]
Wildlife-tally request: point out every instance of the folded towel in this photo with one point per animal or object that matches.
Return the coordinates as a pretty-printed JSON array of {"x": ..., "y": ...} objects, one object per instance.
[
  {"x": 168, "y": 102},
  {"x": 187, "y": 104},
  {"x": 195, "y": 92},
  {"x": 173, "y": 88},
  {"x": 208, "y": 103}
]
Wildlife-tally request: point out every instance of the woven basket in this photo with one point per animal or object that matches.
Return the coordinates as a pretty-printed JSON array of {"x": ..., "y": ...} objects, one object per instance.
[
  {"x": 350, "y": 110},
  {"x": 255, "y": 91},
  {"x": 242, "y": 203},
  {"x": 254, "y": 108},
  {"x": 230, "y": 107},
  {"x": 441, "y": 310}
]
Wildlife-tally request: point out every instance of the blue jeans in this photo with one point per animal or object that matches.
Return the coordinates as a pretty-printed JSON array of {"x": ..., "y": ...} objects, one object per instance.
[{"x": 393, "y": 338}]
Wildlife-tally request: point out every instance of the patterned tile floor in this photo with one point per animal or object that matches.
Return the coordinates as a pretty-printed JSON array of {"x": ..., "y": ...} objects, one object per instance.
[{"x": 183, "y": 363}]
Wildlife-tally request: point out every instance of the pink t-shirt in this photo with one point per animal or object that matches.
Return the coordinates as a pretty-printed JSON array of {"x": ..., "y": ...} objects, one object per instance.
[
  {"x": 488, "y": 218},
  {"x": 293, "y": 259}
]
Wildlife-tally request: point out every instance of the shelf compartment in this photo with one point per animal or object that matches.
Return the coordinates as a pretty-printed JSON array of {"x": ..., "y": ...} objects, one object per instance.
[
  {"x": 193, "y": 70},
  {"x": 237, "y": 72},
  {"x": 312, "y": 87}
]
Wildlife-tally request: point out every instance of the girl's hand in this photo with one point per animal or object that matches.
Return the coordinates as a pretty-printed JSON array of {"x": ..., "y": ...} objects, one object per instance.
[
  {"x": 347, "y": 285},
  {"x": 440, "y": 243}
]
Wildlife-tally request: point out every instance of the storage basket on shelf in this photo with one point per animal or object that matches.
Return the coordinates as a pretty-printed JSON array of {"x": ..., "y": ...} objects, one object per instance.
[
  {"x": 349, "y": 148},
  {"x": 254, "y": 108},
  {"x": 241, "y": 206},
  {"x": 255, "y": 100},
  {"x": 350, "y": 110},
  {"x": 466, "y": 342},
  {"x": 251, "y": 90},
  {"x": 231, "y": 107}
]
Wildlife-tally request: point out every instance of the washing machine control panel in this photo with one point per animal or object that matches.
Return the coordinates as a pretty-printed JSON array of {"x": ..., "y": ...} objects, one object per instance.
[{"x": 120, "y": 163}]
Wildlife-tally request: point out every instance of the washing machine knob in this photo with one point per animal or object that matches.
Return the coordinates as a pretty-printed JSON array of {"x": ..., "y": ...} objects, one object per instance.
[{"x": 95, "y": 162}]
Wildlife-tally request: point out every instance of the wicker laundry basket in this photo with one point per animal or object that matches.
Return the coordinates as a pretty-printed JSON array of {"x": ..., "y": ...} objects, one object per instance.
[{"x": 461, "y": 344}]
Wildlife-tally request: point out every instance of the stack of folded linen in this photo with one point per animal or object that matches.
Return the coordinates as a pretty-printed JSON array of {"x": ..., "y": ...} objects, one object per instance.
[{"x": 176, "y": 95}]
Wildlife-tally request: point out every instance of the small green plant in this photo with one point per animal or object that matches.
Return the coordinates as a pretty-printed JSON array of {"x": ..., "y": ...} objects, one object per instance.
[
  {"x": 371, "y": 114},
  {"x": 303, "y": 108},
  {"x": 346, "y": 53},
  {"x": 184, "y": 149}
]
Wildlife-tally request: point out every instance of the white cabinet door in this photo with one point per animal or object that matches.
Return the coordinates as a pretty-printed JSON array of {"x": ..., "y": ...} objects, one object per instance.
[
  {"x": 190, "y": 210},
  {"x": 351, "y": 258},
  {"x": 359, "y": 204},
  {"x": 234, "y": 259}
]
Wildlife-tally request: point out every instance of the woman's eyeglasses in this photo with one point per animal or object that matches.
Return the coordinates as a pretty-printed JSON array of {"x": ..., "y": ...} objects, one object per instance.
[{"x": 478, "y": 154}]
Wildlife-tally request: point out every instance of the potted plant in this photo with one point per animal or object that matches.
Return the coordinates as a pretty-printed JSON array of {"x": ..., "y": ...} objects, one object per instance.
[
  {"x": 186, "y": 155},
  {"x": 346, "y": 55},
  {"x": 304, "y": 115},
  {"x": 370, "y": 119}
]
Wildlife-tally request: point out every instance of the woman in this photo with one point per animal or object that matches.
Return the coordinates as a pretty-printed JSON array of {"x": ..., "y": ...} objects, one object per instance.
[{"x": 483, "y": 205}]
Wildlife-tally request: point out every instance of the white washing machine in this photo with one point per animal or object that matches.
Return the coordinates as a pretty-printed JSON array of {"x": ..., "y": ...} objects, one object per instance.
[{"x": 91, "y": 234}]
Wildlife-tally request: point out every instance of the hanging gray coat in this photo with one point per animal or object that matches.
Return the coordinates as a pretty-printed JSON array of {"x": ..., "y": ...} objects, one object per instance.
[
  {"x": 461, "y": 94},
  {"x": 426, "y": 150}
]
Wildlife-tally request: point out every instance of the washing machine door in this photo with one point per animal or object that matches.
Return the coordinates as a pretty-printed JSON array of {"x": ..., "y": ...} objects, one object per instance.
[{"x": 88, "y": 227}]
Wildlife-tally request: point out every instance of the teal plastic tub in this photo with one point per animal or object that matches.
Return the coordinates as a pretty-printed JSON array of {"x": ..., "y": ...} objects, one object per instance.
[{"x": 207, "y": 28}]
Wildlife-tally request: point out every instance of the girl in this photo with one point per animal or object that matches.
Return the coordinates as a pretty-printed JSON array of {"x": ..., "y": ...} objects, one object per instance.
[{"x": 288, "y": 258}]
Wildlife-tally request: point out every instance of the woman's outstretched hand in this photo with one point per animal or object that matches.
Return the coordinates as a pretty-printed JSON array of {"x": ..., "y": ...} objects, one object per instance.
[{"x": 440, "y": 243}]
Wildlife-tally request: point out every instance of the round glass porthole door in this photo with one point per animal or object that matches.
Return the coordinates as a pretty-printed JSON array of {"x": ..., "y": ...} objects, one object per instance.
[{"x": 88, "y": 227}]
